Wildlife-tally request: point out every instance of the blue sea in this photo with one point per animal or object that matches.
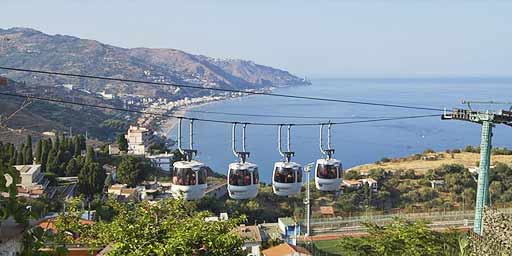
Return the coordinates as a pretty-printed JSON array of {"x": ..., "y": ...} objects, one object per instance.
[{"x": 355, "y": 144}]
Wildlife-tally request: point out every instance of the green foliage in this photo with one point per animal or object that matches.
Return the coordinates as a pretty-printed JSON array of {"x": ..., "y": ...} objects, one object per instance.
[
  {"x": 122, "y": 142},
  {"x": 401, "y": 238},
  {"x": 133, "y": 170},
  {"x": 91, "y": 179},
  {"x": 352, "y": 175},
  {"x": 501, "y": 151},
  {"x": 169, "y": 227}
]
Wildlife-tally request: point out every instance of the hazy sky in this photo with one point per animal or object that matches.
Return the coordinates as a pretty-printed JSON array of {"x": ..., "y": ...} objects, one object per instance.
[{"x": 317, "y": 38}]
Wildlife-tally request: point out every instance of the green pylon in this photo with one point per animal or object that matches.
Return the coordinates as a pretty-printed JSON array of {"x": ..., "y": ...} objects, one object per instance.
[{"x": 483, "y": 176}]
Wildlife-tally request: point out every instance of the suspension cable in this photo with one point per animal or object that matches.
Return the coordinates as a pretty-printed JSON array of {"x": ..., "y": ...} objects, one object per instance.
[{"x": 220, "y": 89}]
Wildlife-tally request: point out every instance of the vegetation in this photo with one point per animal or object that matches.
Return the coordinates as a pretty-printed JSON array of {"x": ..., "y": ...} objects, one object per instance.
[
  {"x": 404, "y": 238},
  {"x": 170, "y": 227},
  {"x": 133, "y": 170}
]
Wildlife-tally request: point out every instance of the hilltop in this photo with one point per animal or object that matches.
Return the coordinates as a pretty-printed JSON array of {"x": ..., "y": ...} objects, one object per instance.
[
  {"x": 32, "y": 49},
  {"x": 421, "y": 163}
]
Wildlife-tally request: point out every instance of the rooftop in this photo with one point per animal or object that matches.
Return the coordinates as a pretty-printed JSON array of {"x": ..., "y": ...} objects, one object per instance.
[
  {"x": 249, "y": 233},
  {"x": 27, "y": 169},
  {"x": 285, "y": 250}
]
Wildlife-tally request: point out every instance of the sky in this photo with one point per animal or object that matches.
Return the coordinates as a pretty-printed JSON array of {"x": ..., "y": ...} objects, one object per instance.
[{"x": 315, "y": 38}]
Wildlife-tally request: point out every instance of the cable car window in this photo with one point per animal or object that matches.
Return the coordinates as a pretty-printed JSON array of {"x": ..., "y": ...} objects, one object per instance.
[
  {"x": 340, "y": 171},
  {"x": 184, "y": 177},
  {"x": 284, "y": 175},
  {"x": 299, "y": 174},
  {"x": 239, "y": 177},
  {"x": 255, "y": 176},
  {"x": 327, "y": 171},
  {"x": 202, "y": 173}
]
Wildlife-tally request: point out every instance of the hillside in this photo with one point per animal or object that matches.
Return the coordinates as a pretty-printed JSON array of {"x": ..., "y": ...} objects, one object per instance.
[
  {"x": 32, "y": 49},
  {"x": 468, "y": 159}
]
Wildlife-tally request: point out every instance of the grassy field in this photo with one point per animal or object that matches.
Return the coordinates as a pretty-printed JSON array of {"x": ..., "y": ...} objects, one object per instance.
[
  {"x": 328, "y": 247},
  {"x": 421, "y": 166}
]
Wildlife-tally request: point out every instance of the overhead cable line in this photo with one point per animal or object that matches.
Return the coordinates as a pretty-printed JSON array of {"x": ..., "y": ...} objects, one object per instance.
[
  {"x": 266, "y": 115},
  {"x": 205, "y": 119},
  {"x": 222, "y": 90}
]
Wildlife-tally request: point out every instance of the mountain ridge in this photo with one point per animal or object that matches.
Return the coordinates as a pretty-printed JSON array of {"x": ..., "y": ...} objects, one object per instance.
[{"x": 33, "y": 49}]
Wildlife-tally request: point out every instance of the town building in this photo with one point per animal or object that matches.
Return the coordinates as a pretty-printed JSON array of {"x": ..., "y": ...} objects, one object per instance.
[
  {"x": 33, "y": 184},
  {"x": 113, "y": 149},
  {"x": 289, "y": 229},
  {"x": 123, "y": 193},
  {"x": 139, "y": 139},
  {"x": 162, "y": 161},
  {"x": 436, "y": 183},
  {"x": 252, "y": 238},
  {"x": 357, "y": 184},
  {"x": 217, "y": 190},
  {"x": 286, "y": 250}
]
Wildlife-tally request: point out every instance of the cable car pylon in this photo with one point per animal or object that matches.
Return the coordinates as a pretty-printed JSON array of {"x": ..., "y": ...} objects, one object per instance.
[
  {"x": 287, "y": 175},
  {"x": 243, "y": 177},
  {"x": 188, "y": 177},
  {"x": 488, "y": 120},
  {"x": 328, "y": 171}
]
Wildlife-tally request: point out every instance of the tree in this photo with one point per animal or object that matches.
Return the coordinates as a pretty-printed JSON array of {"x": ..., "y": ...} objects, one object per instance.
[
  {"x": 29, "y": 157},
  {"x": 52, "y": 162},
  {"x": 352, "y": 175},
  {"x": 89, "y": 156},
  {"x": 130, "y": 171},
  {"x": 71, "y": 168},
  {"x": 122, "y": 142},
  {"x": 91, "y": 179},
  {"x": 39, "y": 148},
  {"x": 168, "y": 227},
  {"x": 19, "y": 158},
  {"x": 44, "y": 154},
  {"x": 402, "y": 238}
]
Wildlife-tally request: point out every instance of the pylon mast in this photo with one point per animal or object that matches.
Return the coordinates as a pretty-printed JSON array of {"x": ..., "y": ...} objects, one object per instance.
[{"x": 488, "y": 121}]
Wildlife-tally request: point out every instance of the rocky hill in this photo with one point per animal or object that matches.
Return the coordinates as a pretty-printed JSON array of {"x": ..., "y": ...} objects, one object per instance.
[{"x": 32, "y": 49}]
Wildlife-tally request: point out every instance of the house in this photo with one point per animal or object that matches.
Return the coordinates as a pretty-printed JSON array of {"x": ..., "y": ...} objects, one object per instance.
[
  {"x": 113, "y": 149},
  {"x": 123, "y": 193},
  {"x": 33, "y": 184},
  {"x": 252, "y": 238},
  {"x": 217, "y": 190},
  {"x": 436, "y": 183},
  {"x": 289, "y": 229},
  {"x": 162, "y": 161},
  {"x": 357, "y": 184},
  {"x": 353, "y": 184},
  {"x": 372, "y": 184},
  {"x": 286, "y": 250},
  {"x": 327, "y": 211},
  {"x": 139, "y": 139}
]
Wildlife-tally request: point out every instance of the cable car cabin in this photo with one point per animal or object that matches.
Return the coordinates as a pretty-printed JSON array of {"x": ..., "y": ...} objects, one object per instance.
[
  {"x": 188, "y": 180},
  {"x": 243, "y": 180},
  {"x": 287, "y": 178},
  {"x": 328, "y": 174}
]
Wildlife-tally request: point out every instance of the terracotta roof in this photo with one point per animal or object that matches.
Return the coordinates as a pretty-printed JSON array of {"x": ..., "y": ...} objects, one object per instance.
[
  {"x": 326, "y": 210},
  {"x": 49, "y": 224},
  {"x": 285, "y": 249}
]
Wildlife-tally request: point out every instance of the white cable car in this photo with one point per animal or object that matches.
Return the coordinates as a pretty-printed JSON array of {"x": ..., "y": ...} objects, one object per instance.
[
  {"x": 188, "y": 177},
  {"x": 287, "y": 175},
  {"x": 243, "y": 177},
  {"x": 328, "y": 171}
]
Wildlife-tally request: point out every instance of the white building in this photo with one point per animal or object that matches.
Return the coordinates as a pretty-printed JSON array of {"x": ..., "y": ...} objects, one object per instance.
[
  {"x": 162, "y": 161},
  {"x": 139, "y": 139},
  {"x": 33, "y": 183},
  {"x": 30, "y": 175}
]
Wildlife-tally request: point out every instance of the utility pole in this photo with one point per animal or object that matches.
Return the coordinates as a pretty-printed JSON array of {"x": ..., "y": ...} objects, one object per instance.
[
  {"x": 307, "y": 201},
  {"x": 488, "y": 120}
]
